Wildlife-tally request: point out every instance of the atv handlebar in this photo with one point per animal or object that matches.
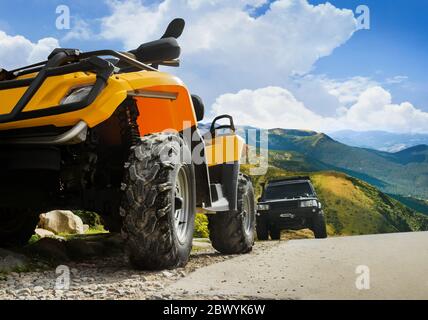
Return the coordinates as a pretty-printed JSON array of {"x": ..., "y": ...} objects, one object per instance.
[{"x": 60, "y": 62}]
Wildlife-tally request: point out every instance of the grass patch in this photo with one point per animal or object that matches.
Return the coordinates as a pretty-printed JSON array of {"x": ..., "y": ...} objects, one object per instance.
[
  {"x": 201, "y": 226},
  {"x": 196, "y": 249},
  {"x": 99, "y": 229},
  {"x": 34, "y": 238}
]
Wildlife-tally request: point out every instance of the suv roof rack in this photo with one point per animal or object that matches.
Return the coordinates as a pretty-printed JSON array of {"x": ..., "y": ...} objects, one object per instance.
[{"x": 290, "y": 179}]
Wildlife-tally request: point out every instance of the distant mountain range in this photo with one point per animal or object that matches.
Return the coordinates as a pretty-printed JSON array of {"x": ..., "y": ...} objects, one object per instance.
[
  {"x": 403, "y": 173},
  {"x": 380, "y": 140},
  {"x": 363, "y": 191}
]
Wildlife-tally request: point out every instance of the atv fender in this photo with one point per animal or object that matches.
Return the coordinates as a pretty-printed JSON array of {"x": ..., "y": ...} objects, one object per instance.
[{"x": 223, "y": 155}]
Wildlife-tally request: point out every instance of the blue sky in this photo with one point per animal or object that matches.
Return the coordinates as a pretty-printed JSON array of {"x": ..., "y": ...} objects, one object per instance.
[
  {"x": 396, "y": 44},
  {"x": 392, "y": 55},
  {"x": 36, "y": 19}
]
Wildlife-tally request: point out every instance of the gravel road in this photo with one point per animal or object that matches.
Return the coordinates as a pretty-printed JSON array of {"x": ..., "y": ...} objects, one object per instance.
[
  {"x": 108, "y": 278},
  {"x": 396, "y": 267}
]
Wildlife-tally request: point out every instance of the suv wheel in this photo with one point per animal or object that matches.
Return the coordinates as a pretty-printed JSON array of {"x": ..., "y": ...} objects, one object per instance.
[
  {"x": 275, "y": 233},
  {"x": 233, "y": 232},
  {"x": 262, "y": 228},
  {"x": 159, "y": 203},
  {"x": 318, "y": 226}
]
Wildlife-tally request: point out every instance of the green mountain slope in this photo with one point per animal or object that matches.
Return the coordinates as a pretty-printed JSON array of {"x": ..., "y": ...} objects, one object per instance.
[
  {"x": 354, "y": 207},
  {"x": 404, "y": 173},
  {"x": 415, "y": 204}
]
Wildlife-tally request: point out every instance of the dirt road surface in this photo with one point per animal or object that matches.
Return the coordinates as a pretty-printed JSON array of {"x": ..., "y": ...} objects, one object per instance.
[{"x": 389, "y": 267}]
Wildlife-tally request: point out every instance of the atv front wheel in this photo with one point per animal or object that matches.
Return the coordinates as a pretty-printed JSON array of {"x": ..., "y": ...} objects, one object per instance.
[
  {"x": 318, "y": 226},
  {"x": 17, "y": 226},
  {"x": 159, "y": 203},
  {"x": 234, "y": 232}
]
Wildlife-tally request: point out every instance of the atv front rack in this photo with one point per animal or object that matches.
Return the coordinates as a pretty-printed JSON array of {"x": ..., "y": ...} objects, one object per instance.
[{"x": 60, "y": 62}]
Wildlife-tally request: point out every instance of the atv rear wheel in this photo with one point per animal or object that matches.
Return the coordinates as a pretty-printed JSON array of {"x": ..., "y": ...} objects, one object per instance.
[
  {"x": 17, "y": 226},
  {"x": 234, "y": 232},
  {"x": 319, "y": 227},
  {"x": 159, "y": 203},
  {"x": 262, "y": 228}
]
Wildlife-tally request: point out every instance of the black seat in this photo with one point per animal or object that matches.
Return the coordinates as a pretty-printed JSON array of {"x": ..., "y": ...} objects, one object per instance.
[
  {"x": 166, "y": 49},
  {"x": 4, "y": 75}
]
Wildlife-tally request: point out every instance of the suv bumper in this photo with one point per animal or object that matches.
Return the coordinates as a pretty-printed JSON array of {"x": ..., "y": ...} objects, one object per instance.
[{"x": 290, "y": 219}]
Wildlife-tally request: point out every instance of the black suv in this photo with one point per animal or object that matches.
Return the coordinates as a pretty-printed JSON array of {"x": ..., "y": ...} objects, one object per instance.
[{"x": 292, "y": 204}]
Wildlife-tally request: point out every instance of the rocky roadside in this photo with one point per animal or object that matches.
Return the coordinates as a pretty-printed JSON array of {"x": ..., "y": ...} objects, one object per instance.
[{"x": 103, "y": 276}]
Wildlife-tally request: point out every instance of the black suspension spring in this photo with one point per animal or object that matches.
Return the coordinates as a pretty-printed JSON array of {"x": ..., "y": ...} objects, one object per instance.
[{"x": 128, "y": 123}]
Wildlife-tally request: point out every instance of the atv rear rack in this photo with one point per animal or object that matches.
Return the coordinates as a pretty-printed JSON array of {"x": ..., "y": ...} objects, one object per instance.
[{"x": 60, "y": 62}]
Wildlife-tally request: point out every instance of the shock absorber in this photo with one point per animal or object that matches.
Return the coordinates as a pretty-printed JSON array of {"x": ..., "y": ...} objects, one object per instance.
[
  {"x": 128, "y": 123},
  {"x": 133, "y": 125}
]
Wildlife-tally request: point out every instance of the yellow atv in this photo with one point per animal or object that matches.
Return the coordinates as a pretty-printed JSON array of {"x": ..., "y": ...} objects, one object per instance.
[{"x": 105, "y": 131}]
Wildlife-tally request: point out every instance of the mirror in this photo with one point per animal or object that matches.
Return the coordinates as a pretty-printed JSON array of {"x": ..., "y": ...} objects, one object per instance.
[{"x": 199, "y": 107}]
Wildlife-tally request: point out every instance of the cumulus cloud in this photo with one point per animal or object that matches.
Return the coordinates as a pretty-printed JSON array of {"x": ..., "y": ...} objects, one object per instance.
[
  {"x": 349, "y": 90},
  {"x": 270, "y": 107},
  {"x": 275, "y": 107},
  {"x": 326, "y": 96},
  {"x": 226, "y": 48},
  {"x": 81, "y": 30},
  {"x": 18, "y": 51},
  {"x": 397, "y": 79},
  {"x": 375, "y": 110}
]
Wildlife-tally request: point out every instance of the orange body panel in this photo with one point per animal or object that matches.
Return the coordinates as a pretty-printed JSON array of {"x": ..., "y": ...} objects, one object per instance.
[
  {"x": 160, "y": 115},
  {"x": 157, "y": 113}
]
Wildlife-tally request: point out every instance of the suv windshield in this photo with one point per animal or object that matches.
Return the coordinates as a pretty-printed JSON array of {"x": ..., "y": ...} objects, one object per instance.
[{"x": 288, "y": 191}]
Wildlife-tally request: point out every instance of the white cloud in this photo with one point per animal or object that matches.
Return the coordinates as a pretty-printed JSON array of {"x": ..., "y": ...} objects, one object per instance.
[
  {"x": 397, "y": 79},
  {"x": 274, "y": 107},
  {"x": 270, "y": 107},
  {"x": 349, "y": 90},
  {"x": 18, "y": 51},
  {"x": 328, "y": 97},
  {"x": 375, "y": 110},
  {"x": 81, "y": 30},
  {"x": 225, "y": 49}
]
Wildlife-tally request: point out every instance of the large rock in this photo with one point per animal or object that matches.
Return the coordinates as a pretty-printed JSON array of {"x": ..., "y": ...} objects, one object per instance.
[
  {"x": 60, "y": 221},
  {"x": 50, "y": 249},
  {"x": 42, "y": 233},
  {"x": 11, "y": 262},
  {"x": 89, "y": 246}
]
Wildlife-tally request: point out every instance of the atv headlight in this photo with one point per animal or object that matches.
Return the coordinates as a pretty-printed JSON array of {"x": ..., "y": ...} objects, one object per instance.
[
  {"x": 308, "y": 203},
  {"x": 263, "y": 207},
  {"x": 77, "y": 95}
]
